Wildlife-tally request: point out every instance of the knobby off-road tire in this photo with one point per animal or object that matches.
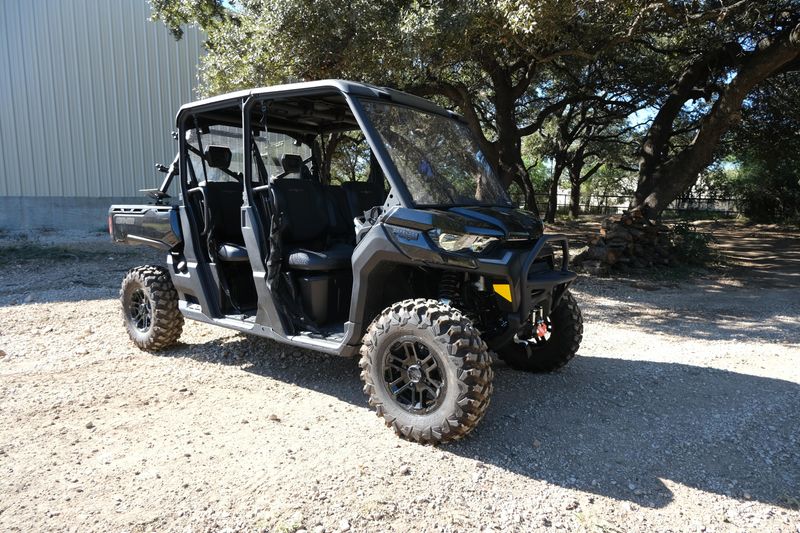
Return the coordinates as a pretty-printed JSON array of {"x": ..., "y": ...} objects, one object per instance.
[
  {"x": 445, "y": 347},
  {"x": 150, "y": 308},
  {"x": 566, "y": 333}
]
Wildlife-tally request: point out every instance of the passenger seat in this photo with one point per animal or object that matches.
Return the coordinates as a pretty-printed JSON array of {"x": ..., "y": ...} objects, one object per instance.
[{"x": 306, "y": 228}]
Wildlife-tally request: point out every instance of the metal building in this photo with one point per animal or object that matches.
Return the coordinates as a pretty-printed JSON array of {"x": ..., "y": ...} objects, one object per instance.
[{"x": 88, "y": 94}]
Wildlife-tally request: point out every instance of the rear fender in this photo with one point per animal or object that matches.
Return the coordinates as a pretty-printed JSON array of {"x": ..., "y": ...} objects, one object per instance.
[{"x": 157, "y": 226}]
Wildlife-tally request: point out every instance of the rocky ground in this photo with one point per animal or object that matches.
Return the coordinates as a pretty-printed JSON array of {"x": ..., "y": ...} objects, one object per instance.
[{"x": 682, "y": 413}]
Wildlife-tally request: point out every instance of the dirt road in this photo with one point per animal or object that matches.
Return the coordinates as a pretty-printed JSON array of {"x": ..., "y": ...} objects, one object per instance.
[{"x": 682, "y": 413}]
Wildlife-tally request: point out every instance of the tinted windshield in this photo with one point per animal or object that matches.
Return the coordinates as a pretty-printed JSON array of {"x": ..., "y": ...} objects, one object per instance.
[{"x": 436, "y": 156}]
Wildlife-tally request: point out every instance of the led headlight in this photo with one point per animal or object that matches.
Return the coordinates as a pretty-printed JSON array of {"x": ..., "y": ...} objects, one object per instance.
[{"x": 460, "y": 242}]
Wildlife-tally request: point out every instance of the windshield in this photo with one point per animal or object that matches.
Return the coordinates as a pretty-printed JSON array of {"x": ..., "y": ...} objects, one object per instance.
[{"x": 437, "y": 157}]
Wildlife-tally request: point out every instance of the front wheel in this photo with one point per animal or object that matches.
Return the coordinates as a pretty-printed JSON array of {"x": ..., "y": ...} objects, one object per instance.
[
  {"x": 552, "y": 347},
  {"x": 426, "y": 371},
  {"x": 150, "y": 308}
]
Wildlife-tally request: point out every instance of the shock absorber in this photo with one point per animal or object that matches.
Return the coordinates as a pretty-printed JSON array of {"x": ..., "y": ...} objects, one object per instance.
[{"x": 449, "y": 286}]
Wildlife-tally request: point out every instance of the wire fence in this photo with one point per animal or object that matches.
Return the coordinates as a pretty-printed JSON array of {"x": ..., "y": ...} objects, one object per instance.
[{"x": 600, "y": 204}]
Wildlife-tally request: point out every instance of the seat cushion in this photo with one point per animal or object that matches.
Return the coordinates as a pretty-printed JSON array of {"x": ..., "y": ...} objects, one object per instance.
[
  {"x": 232, "y": 252},
  {"x": 334, "y": 258}
]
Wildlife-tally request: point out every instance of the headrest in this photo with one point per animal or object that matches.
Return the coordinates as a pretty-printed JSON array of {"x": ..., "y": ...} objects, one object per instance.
[
  {"x": 218, "y": 156},
  {"x": 291, "y": 163}
]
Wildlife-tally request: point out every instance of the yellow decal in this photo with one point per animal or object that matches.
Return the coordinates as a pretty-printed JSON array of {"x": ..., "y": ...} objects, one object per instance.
[{"x": 503, "y": 289}]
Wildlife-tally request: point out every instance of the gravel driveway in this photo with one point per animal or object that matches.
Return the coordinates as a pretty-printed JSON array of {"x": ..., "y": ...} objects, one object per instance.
[{"x": 682, "y": 413}]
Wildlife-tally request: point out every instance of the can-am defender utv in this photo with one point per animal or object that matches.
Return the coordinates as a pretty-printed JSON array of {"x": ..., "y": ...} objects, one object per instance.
[{"x": 352, "y": 219}]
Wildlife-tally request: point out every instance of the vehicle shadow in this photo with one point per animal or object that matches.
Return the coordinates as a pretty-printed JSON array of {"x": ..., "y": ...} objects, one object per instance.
[{"x": 619, "y": 428}]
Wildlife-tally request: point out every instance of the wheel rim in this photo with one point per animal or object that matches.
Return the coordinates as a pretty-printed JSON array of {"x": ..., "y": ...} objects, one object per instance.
[
  {"x": 140, "y": 312},
  {"x": 413, "y": 375}
]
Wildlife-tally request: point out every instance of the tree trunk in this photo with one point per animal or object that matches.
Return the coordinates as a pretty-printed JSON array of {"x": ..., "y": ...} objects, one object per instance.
[
  {"x": 575, "y": 181},
  {"x": 661, "y": 178},
  {"x": 510, "y": 166},
  {"x": 327, "y": 154},
  {"x": 530, "y": 195},
  {"x": 552, "y": 204},
  {"x": 578, "y": 178},
  {"x": 574, "y": 199}
]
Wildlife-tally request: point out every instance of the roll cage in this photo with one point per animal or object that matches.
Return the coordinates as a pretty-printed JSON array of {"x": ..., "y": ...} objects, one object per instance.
[{"x": 248, "y": 104}]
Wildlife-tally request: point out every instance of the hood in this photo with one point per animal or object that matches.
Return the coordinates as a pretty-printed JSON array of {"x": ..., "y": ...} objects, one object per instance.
[
  {"x": 516, "y": 224},
  {"x": 504, "y": 222}
]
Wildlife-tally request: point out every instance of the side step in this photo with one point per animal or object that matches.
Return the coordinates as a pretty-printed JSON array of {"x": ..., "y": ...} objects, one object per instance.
[{"x": 329, "y": 342}]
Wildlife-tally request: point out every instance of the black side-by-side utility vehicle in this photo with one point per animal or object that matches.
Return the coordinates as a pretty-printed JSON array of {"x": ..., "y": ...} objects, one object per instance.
[{"x": 352, "y": 219}]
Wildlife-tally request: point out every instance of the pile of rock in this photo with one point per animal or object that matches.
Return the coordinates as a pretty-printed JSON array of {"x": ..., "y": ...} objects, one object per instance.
[{"x": 626, "y": 241}]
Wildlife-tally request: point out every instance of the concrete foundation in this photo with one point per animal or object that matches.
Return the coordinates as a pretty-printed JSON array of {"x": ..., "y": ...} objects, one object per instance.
[{"x": 58, "y": 212}]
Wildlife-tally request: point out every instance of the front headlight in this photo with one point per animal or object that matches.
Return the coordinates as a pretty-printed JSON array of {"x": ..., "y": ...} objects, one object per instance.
[{"x": 461, "y": 242}]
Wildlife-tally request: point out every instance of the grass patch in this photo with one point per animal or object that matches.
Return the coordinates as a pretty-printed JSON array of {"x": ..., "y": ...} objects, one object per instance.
[{"x": 36, "y": 252}]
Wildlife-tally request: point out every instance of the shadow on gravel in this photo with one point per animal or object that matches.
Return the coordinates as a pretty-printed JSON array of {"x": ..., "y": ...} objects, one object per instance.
[
  {"x": 613, "y": 427},
  {"x": 620, "y": 428},
  {"x": 717, "y": 315},
  {"x": 38, "y": 273}
]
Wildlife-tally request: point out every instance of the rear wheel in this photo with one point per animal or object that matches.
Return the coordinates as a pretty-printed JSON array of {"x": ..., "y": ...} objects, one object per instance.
[
  {"x": 426, "y": 371},
  {"x": 150, "y": 308},
  {"x": 554, "y": 344}
]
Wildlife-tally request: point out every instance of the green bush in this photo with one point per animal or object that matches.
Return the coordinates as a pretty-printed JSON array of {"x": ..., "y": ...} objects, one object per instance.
[
  {"x": 691, "y": 246},
  {"x": 769, "y": 198}
]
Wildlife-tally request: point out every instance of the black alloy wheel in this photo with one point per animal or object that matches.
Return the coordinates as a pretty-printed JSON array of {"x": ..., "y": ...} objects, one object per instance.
[
  {"x": 426, "y": 371},
  {"x": 140, "y": 312},
  {"x": 413, "y": 376},
  {"x": 150, "y": 308}
]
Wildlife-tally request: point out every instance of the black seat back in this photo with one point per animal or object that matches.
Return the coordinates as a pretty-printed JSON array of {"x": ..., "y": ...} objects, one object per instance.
[
  {"x": 294, "y": 167},
  {"x": 302, "y": 209},
  {"x": 224, "y": 205},
  {"x": 218, "y": 156},
  {"x": 362, "y": 196},
  {"x": 341, "y": 222}
]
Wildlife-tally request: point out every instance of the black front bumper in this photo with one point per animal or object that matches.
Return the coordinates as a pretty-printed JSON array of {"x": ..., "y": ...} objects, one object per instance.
[
  {"x": 545, "y": 286},
  {"x": 535, "y": 284}
]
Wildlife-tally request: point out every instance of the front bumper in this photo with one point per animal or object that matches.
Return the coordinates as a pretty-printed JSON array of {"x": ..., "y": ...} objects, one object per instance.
[
  {"x": 528, "y": 276},
  {"x": 535, "y": 283},
  {"x": 545, "y": 286}
]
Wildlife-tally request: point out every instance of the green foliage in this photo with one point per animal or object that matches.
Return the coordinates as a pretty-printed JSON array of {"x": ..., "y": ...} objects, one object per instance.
[
  {"x": 610, "y": 180},
  {"x": 766, "y": 148},
  {"x": 768, "y": 191},
  {"x": 209, "y": 14},
  {"x": 350, "y": 159},
  {"x": 536, "y": 79},
  {"x": 692, "y": 247}
]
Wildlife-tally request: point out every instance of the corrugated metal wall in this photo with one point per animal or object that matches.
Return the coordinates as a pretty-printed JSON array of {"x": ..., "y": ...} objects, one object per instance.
[{"x": 88, "y": 95}]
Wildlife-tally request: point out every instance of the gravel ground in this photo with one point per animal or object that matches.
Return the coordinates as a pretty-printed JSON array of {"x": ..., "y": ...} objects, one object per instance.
[{"x": 682, "y": 414}]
